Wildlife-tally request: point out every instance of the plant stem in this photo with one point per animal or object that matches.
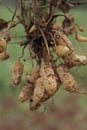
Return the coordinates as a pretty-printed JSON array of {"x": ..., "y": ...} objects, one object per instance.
[{"x": 35, "y": 12}]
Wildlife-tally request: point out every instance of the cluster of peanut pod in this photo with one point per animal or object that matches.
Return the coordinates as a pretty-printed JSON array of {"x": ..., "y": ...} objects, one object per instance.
[
  {"x": 44, "y": 42},
  {"x": 44, "y": 81}
]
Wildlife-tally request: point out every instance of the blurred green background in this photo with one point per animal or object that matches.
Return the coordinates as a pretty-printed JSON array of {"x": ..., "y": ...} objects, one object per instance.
[{"x": 65, "y": 111}]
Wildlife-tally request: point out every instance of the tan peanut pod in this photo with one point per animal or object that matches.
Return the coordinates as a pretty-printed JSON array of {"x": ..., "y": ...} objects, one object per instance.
[
  {"x": 3, "y": 45},
  {"x": 66, "y": 78},
  {"x": 62, "y": 39},
  {"x": 62, "y": 50},
  {"x": 17, "y": 72},
  {"x": 80, "y": 60},
  {"x": 3, "y": 54},
  {"x": 81, "y": 38},
  {"x": 49, "y": 79},
  {"x": 38, "y": 90},
  {"x": 46, "y": 70},
  {"x": 37, "y": 94},
  {"x": 34, "y": 105},
  {"x": 42, "y": 94},
  {"x": 26, "y": 92},
  {"x": 75, "y": 60},
  {"x": 45, "y": 97},
  {"x": 50, "y": 84},
  {"x": 71, "y": 58},
  {"x": 32, "y": 75}
]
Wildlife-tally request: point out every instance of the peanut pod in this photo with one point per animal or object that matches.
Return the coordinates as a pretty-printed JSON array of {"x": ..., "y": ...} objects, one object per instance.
[
  {"x": 26, "y": 92},
  {"x": 32, "y": 75},
  {"x": 62, "y": 50},
  {"x": 81, "y": 38},
  {"x": 17, "y": 72},
  {"x": 66, "y": 78}
]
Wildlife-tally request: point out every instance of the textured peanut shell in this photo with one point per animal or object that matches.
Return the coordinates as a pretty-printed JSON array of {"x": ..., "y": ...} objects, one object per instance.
[
  {"x": 26, "y": 92},
  {"x": 62, "y": 50},
  {"x": 37, "y": 94},
  {"x": 32, "y": 75},
  {"x": 17, "y": 71},
  {"x": 66, "y": 78},
  {"x": 49, "y": 79},
  {"x": 3, "y": 45},
  {"x": 46, "y": 70},
  {"x": 38, "y": 91}
]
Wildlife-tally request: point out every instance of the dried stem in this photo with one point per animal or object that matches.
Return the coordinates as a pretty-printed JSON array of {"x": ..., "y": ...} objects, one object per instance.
[
  {"x": 35, "y": 12},
  {"x": 22, "y": 52},
  {"x": 22, "y": 15},
  {"x": 45, "y": 42},
  {"x": 17, "y": 5}
]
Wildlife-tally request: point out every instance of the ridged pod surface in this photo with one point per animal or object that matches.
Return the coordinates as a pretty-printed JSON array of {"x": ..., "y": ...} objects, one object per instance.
[
  {"x": 37, "y": 94},
  {"x": 3, "y": 45},
  {"x": 3, "y": 54},
  {"x": 17, "y": 71},
  {"x": 49, "y": 79},
  {"x": 66, "y": 78},
  {"x": 75, "y": 60},
  {"x": 32, "y": 75},
  {"x": 70, "y": 59},
  {"x": 26, "y": 92},
  {"x": 62, "y": 39},
  {"x": 62, "y": 50}
]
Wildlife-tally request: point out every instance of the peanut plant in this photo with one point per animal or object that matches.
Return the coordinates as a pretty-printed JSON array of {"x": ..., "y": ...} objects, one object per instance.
[{"x": 45, "y": 38}]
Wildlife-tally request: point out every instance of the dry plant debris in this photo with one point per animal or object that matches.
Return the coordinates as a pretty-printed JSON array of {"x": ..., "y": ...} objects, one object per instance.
[{"x": 45, "y": 36}]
